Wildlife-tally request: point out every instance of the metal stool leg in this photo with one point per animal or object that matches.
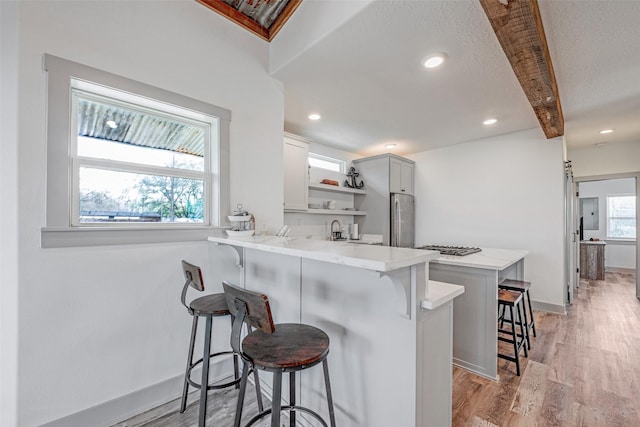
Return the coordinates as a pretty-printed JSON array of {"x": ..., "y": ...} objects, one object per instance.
[
  {"x": 327, "y": 383},
  {"x": 243, "y": 389},
  {"x": 533, "y": 323},
  {"x": 292, "y": 398},
  {"x": 526, "y": 322},
  {"x": 276, "y": 402},
  {"x": 205, "y": 372},
  {"x": 514, "y": 334},
  {"x": 523, "y": 330},
  {"x": 185, "y": 388},
  {"x": 236, "y": 370}
]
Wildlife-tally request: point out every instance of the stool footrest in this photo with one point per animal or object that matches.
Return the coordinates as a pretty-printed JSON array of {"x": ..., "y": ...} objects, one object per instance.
[
  {"x": 287, "y": 408},
  {"x": 212, "y": 386}
]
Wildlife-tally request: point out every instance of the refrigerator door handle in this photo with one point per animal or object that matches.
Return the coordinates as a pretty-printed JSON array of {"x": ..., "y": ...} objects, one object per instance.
[{"x": 398, "y": 222}]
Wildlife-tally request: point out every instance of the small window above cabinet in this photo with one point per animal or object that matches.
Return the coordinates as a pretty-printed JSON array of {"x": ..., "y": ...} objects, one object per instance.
[
  {"x": 296, "y": 174},
  {"x": 400, "y": 176}
]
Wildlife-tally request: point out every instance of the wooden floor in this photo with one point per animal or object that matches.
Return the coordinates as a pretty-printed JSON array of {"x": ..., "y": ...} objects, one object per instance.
[
  {"x": 583, "y": 368},
  {"x": 221, "y": 409}
]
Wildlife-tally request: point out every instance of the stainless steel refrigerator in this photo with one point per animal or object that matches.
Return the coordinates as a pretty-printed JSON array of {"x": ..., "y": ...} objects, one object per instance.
[{"x": 402, "y": 220}]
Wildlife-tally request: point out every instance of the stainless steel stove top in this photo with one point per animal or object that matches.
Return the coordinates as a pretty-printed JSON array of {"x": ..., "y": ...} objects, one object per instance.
[{"x": 451, "y": 250}]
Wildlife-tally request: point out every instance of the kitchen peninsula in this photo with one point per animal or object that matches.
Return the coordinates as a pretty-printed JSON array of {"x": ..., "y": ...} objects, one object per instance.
[
  {"x": 475, "y": 333},
  {"x": 390, "y": 327}
]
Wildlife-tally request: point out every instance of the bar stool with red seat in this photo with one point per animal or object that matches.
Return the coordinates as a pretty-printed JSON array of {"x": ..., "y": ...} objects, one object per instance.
[{"x": 282, "y": 348}]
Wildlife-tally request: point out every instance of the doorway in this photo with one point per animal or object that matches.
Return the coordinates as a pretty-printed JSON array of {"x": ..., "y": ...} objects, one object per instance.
[{"x": 604, "y": 217}]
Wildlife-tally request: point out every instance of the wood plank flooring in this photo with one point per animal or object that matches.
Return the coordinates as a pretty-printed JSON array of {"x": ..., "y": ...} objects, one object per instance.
[
  {"x": 583, "y": 368},
  {"x": 221, "y": 409}
]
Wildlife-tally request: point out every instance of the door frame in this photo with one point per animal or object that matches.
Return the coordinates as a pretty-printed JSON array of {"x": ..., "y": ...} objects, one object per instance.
[{"x": 606, "y": 177}]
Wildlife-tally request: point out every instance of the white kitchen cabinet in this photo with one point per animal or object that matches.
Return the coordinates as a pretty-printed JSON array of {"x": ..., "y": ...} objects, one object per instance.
[
  {"x": 400, "y": 176},
  {"x": 296, "y": 174}
]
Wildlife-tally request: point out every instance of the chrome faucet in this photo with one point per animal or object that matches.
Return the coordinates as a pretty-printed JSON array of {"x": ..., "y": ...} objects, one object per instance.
[{"x": 335, "y": 235}]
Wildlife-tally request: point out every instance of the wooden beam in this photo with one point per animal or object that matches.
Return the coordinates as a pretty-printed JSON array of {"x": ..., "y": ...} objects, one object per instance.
[
  {"x": 518, "y": 26},
  {"x": 239, "y": 18},
  {"x": 250, "y": 24}
]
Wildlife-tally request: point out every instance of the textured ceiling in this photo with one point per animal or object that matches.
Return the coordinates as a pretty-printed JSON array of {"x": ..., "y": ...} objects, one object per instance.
[{"x": 366, "y": 80}]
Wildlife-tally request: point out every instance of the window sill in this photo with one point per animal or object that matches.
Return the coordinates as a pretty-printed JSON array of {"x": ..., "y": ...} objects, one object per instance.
[{"x": 68, "y": 237}]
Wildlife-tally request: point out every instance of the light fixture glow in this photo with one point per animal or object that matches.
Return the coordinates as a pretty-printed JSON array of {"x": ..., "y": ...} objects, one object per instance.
[
  {"x": 434, "y": 61},
  {"x": 389, "y": 146},
  {"x": 314, "y": 116},
  {"x": 605, "y": 131},
  {"x": 112, "y": 124},
  {"x": 490, "y": 122},
  {"x": 600, "y": 144}
]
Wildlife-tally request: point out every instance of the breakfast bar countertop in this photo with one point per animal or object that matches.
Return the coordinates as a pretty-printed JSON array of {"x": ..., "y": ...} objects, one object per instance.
[
  {"x": 369, "y": 257},
  {"x": 487, "y": 258}
]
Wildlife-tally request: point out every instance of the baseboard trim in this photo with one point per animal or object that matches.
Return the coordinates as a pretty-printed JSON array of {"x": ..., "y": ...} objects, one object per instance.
[
  {"x": 124, "y": 407},
  {"x": 551, "y": 308},
  {"x": 618, "y": 270}
]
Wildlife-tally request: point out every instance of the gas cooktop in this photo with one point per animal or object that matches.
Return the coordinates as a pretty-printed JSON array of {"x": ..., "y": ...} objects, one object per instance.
[{"x": 451, "y": 250}]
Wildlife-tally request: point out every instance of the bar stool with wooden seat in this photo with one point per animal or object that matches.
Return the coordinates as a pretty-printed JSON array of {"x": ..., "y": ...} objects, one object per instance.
[
  {"x": 510, "y": 300},
  {"x": 522, "y": 287},
  {"x": 208, "y": 306},
  {"x": 282, "y": 348}
]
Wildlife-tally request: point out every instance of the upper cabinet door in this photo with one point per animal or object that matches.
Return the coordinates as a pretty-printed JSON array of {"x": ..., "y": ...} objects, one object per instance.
[
  {"x": 296, "y": 174},
  {"x": 400, "y": 176},
  {"x": 406, "y": 178}
]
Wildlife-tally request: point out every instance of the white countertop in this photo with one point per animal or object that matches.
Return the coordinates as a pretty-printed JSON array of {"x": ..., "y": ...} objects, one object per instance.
[
  {"x": 488, "y": 258},
  {"x": 370, "y": 257},
  {"x": 440, "y": 293},
  {"x": 593, "y": 242}
]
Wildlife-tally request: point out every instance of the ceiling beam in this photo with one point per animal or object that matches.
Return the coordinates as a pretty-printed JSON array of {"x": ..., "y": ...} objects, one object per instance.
[{"x": 518, "y": 26}]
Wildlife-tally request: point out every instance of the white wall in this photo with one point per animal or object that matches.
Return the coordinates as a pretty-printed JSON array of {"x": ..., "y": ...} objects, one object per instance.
[
  {"x": 9, "y": 212},
  {"x": 607, "y": 159},
  {"x": 617, "y": 254},
  {"x": 98, "y": 323},
  {"x": 503, "y": 192}
]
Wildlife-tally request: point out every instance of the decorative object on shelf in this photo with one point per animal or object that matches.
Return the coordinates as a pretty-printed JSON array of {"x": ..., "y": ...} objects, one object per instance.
[
  {"x": 353, "y": 175},
  {"x": 330, "y": 182},
  {"x": 242, "y": 223}
]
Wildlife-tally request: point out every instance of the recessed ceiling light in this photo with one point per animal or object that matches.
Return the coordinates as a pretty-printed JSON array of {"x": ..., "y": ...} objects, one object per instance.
[
  {"x": 434, "y": 61},
  {"x": 490, "y": 122},
  {"x": 314, "y": 116},
  {"x": 112, "y": 124},
  {"x": 389, "y": 146},
  {"x": 604, "y": 131}
]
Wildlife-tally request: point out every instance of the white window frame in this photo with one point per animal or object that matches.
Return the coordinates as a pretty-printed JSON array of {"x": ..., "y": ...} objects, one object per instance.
[
  {"x": 60, "y": 230},
  {"x": 609, "y": 237},
  {"x": 341, "y": 163}
]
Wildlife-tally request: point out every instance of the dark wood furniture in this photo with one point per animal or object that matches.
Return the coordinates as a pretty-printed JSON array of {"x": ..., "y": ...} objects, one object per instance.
[
  {"x": 522, "y": 287},
  {"x": 208, "y": 306},
  {"x": 592, "y": 260},
  {"x": 282, "y": 348},
  {"x": 510, "y": 300}
]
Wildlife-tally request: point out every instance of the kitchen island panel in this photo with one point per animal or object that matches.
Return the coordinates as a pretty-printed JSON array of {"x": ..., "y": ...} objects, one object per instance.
[
  {"x": 475, "y": 335},
  {"x": 373, "y": 351}
]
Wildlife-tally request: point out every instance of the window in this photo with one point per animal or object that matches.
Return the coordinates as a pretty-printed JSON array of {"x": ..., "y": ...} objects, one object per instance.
[
  {"x": 137, "y": 160},
  {"x": 128, "y": 162},
  {"x": 621, "y": 217},
  {"x": 324, "y": 162}
]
